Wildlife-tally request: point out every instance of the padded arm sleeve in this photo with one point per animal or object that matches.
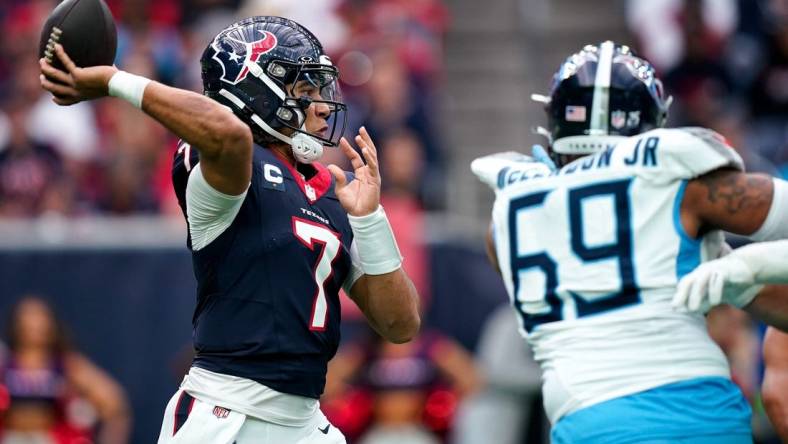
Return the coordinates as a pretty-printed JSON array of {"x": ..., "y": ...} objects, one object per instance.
[
  {"x": 774, "y": 227},
  {"x": 768, "y": 261},
  {"x": 209, "y": 211}
]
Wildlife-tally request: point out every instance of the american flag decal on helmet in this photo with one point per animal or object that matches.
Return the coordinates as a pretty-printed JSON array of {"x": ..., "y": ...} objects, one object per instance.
[{"x": 575, "y": 113}]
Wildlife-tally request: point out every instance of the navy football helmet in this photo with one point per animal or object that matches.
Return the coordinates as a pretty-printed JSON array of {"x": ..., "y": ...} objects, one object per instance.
[
  {"x": 269, "y": 70},
  {"x": 598, "y": 96}
]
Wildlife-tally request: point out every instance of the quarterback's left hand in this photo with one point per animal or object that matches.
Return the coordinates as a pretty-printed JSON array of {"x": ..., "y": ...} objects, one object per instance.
[
  {"x": 361, "y": 196},
  {"x": 727, "y": 280}
]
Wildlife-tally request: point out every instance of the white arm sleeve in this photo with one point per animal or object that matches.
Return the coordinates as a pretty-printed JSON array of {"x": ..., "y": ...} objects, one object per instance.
[
  {"x": 767, "y": 261},
  {"x": 774, "y": 227},
  {"x": 209, "y": 211},
  {"x": 355, "y": 269}
]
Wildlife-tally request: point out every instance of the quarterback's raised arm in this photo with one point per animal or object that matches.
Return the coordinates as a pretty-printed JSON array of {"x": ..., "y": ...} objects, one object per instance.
[
  {"x": 390, "y": 304},
  {"x": 224, "y": 141}
]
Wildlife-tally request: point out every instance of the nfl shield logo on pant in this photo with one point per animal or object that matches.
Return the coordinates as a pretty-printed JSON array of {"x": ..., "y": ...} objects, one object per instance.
[{"x": 221, "y": 412}]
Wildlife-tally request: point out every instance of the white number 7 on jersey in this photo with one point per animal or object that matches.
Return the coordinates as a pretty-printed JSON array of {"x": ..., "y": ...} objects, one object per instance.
[{"x": 310, "y": 233}]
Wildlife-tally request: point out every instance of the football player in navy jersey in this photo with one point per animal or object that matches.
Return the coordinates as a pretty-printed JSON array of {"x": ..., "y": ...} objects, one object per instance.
[{"x": 274, "y": 235}]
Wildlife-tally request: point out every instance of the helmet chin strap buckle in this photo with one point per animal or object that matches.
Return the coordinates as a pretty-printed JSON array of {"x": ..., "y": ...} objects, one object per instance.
[{"x": 306, "y": 149}]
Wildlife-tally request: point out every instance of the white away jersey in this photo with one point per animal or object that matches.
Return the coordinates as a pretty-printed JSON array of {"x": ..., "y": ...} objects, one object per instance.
[{"x": 591, "y": 256}]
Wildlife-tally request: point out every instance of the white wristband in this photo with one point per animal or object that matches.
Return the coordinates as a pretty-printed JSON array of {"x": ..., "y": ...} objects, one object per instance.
[
  {"x": 375, "y": 241},
  {"x": 128, "y": 87}
]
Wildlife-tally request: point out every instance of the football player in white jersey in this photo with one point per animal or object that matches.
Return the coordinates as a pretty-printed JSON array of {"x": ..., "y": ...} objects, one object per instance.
[{"x": 591, "y": 254}]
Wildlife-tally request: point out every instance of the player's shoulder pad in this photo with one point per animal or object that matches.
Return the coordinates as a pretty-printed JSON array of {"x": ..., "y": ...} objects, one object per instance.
[
  {"x": 494, "y": 168},
  {"x": 693, "y": 151}
]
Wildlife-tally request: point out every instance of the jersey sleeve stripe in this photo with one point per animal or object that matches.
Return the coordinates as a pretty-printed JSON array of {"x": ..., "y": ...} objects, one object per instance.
[{"x": 689, "y": 249}]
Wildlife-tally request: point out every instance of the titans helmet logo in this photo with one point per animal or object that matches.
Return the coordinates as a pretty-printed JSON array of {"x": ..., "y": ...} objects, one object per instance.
[{"x": 234, "y": 54}]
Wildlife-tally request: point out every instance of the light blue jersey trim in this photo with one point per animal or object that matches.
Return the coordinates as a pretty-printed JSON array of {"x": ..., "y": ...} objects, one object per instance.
[
  {"x": 689, "y": 249},
  {"x": 696, "y": 411}
]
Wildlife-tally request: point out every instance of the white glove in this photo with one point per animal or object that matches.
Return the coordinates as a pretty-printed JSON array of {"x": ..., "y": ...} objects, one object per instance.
[{"x": 728, "y": 280}]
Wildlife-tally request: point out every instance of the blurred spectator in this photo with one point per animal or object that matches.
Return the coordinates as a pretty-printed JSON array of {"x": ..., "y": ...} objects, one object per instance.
[
  {"x": 28, "y": 169},
  {"x": 56, "y": 394},
  {"x": 127, "y": 182},
  {"x": 390, "y": 101},
  {"x": 732, "y": 125},
  {"x": 769, "y": 94},
  {"x": 21, "y": 24},
  {"x": 402, "y": 165},
  {"x": 661, "y": 27},
  {"x": 408, "y": 391},
  {"x": 775, "y": 384},
  {"x": 511, "y": 397},
  {"x": 733, "y": 331},
  {"x": 319, "y": 16},
  {"x": 726, "y": 64},
  {"x": 699, "y": 78},
  {"x": 413, "y": 29},
  {"x": 398, "y": 43}
]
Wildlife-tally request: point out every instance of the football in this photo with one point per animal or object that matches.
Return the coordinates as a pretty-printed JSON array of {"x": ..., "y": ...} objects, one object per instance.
[{"x": 86, "y": 30}]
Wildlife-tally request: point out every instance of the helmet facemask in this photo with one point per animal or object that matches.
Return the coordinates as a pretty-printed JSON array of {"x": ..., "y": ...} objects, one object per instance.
[
  {"x": 311, "y": 85},
  {"x": 298, "y": 86}
]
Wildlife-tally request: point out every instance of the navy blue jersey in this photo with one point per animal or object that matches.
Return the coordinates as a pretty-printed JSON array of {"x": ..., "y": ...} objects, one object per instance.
[{"x": 267, "y": 293}]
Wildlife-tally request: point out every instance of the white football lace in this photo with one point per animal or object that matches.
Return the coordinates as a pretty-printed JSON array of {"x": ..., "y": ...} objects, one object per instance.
[{"x": 54, "y": 37}]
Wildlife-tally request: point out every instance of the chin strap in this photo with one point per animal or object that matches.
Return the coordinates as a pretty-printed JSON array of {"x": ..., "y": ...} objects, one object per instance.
[{"x": 306, "y": 148}]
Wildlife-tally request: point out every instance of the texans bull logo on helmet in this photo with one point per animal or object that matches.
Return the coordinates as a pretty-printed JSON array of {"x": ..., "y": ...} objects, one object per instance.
[{"x": 233, "y": 54}]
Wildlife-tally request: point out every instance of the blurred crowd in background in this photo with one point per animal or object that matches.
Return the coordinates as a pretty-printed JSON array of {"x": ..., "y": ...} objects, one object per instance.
[
  {"x": 726, "y": 64},
  {"x": 724, "y": 61},
  {"x": 107, "y": 158}
]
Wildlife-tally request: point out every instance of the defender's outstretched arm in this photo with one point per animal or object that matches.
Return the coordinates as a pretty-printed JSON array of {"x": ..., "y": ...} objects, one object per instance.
[
  {"x": 754, "y": 205},
  {"x": 728, "y": 200}
]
